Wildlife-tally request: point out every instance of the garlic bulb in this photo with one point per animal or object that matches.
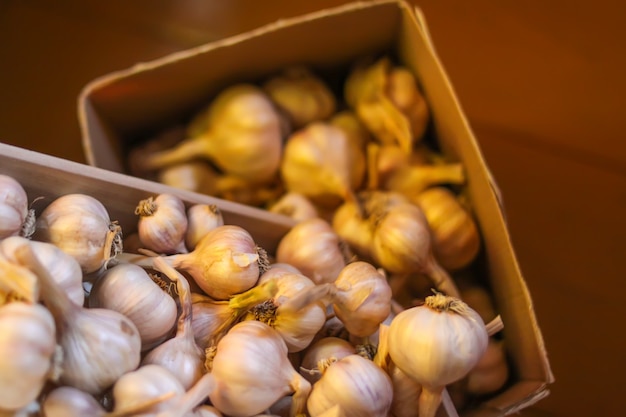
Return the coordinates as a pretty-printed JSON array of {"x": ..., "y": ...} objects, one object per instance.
[
  {"x": 363, "y": 299},
  {"x": 201, "y": 219},
  {"x": 404, "y": 93},
  {"x": 240, "y": 124},
  {"x": 436, "y": 344},
  {"x": 67, "y": 401},
  {"x": 162, "y": 223},
  {"x": 226, "y": 261},
  {"x": 296, "y": 326},
  {"x": 294, "y": 205},
  {"x": 325, "y": 350},
  {"x": 251, "y": 362},
  {"x": 194, "y": 175},
  {"x": 357, "y": 385},
  {"x": 456, "y": 239},
  {"x": 63, "y": 268},
  {"x": 401, "y": 244},
  {"x": 80, "y": 225},
  {"x": 302, "y": 95},
  {"x": 99, "y": 345},
  {"x": 27, "y": 347},
  {"x": 129, "y": 290},
  {"x": 180, "y": 354},
  {"x": 318, "y": 162},
  {"x": 314, "y": 248},
  {"x": 15, "y": 217}
]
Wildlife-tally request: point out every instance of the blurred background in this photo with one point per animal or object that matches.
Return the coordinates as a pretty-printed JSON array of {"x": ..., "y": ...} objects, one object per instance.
[{"x": 542, "y": 84}]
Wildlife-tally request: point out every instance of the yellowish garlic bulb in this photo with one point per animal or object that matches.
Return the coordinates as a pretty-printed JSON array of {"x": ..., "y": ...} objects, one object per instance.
[
  {"x": 195, "y": 175},
  {"x": 302, "y": 95},
  {"x": 27, "y": 347},
  {"x": 317, "y": 163},
  {"x": 357, "y": 385},
  {"x": 294, "y": 205},
  {"x": 404, "y": 93},
  {"x": 314, "y": 248},
  {"x": 17, "y": 283},
  {"x": 491, "y": 372},
  {"x": 456, "y": 239},
  {"x": 240, "y": 124}
]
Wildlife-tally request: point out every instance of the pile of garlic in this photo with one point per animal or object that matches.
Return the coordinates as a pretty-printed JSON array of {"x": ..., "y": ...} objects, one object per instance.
[{"x": 189, "y": 317}]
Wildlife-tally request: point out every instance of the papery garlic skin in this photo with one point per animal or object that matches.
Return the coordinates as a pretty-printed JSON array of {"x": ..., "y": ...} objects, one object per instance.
[
  {"x": 162, "y": 223},
  {"x": 27, "y": 347},
  {"x": 64, "y": 268},
  {"x": 251, "y": 363},
  {"x": 80, "y": 225},
  {"x": 129, "y": 290},
  {"x": 356, "y": 384},
  {"x": 314, "y": 248},
  {"x": 13, "y": 206}
]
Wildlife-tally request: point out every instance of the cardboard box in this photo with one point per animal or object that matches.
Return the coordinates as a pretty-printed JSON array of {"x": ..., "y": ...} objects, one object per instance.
[{"x": 118, "y": 108}]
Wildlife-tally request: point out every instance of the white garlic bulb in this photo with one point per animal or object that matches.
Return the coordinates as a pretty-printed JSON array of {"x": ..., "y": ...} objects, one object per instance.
[
  {"x": 80, "y": 225},
  {"x": 27, "y": 348},
  {"x": 251, "y": 362},
  {"x": 356, "y": 384},
  {"x": 162, "y": 223},
  {"x": 314, "y": 248},
  {"x": 13, "y": 207},
  {"x": 201, "y": 219},
  {"x": 129, "y": 290}
]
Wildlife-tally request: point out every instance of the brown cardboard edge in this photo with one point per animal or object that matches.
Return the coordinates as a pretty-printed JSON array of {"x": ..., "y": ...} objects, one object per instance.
[
  {"x": 540, "y": 386},
  {"x": 85, "y": 112},
  {"x": 54, "y": 176}
]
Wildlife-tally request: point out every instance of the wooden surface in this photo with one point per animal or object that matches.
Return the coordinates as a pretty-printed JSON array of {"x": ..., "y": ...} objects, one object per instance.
[{"x": 541, "y": 83}]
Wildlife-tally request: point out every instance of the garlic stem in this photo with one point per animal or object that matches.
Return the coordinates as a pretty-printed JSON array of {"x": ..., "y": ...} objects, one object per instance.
[
  {"x": 192, "y": 398},
  {"x": 373, "y": 178},
  {"x": 187, "y": 149},
  {"x": 142, "y": 407},
  {"x": 441, "y": 279},
  {"x": 429, "y": 400},
  {"x": 495, "y": 325},
  {"x": 412, "y": 180}
]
